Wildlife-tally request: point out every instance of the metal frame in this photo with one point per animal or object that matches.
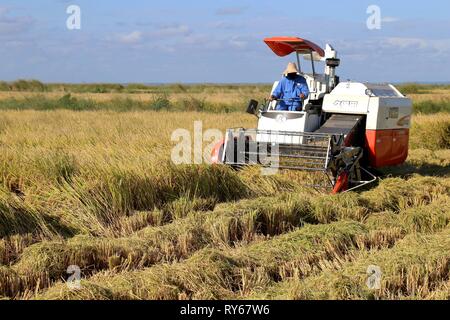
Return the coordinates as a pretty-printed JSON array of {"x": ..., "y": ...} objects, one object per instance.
[
  {"x": 298, "y": 62},
  {"x": 304, "y": 146},
  {"x": 313, "y": 66},
  {"x": 362, "y": 183}
]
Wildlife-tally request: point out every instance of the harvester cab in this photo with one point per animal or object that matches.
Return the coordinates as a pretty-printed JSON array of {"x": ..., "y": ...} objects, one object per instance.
[{"x": 344, "y": 129}]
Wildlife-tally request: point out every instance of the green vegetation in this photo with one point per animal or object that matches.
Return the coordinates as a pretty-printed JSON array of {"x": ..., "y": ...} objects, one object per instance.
[
  {"x": 37, "y": 86},
  {"x": 430, "y": 106},
  {"x": 157, "y": 103},
  {"x": 418, "y": 88},
  {"x": 171, "y": 97}
]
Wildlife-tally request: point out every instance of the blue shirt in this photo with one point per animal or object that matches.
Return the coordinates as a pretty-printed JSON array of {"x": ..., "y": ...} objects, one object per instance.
[{"x": 288, "y": 89}]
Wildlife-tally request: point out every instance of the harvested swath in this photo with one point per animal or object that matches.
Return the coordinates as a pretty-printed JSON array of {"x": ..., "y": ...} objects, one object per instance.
[
  {"x": 430, "y": 158},
  {"x": 385, "y": 229},
  {"x": 393, "y": 194},
  {"x": 425, "y": 219},
  {"x": 16, "y": 217},
  {"x": 138, "y": 220},
  {"x": 214, "y": 274},
  {"x": 424, "y": 162},
  {"x": 260, "y": 184},
  {"x": 229, "y": 224},
  {"x": 414, "y": 267},
  {"x": 441, "y": 292},
  {"x": 182, "y": 206},
  {"x": 11, "y": 247},
  {"x": 50, "y": 259},
  {"x": 177, "y": 209},
  {"x": 396, "y": 193},
  {"x": 43, "y": 263},
  {"x": 10, "y": 282},
  {"x": 243, "y": 220},
  {"x": 47, "y": 261},
  {"x": 329, "y": 208}
]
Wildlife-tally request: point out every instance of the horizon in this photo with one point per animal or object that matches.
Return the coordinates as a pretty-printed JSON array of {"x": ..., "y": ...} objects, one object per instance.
[
  {"x": 218, "y": 42},
  {"x": 207, "y": 83}
]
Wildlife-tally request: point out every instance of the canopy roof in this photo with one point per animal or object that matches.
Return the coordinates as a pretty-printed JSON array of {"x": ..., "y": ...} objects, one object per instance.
[{"x": 283, "y": 46}]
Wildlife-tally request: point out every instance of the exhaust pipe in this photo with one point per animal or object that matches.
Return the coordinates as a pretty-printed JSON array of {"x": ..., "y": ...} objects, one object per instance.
[{"x": 332, "y": 62}]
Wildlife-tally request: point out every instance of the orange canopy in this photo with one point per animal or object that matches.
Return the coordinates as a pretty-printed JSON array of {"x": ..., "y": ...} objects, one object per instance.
[{"x": 283, "y": 46}]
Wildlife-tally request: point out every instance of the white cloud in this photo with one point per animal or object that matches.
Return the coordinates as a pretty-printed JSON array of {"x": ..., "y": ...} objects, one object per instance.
[
  {"x": 429, "y": 46},
  {"x": 401, "y": 42},
  {"x": 171, "y": 30},
  {"x": 131, "y": 38},
  {"x": 238, "y": 42},
  {"x": 226, "y": 25},
  {"x": 13, "y": 25},
  {"x": 199, "y": 39},
  {"x": 389, "y": 19},
  {"x": 229, "y": 11},
  {"x": 394, "y": 47},
  {"x": 162, "y": 34}
]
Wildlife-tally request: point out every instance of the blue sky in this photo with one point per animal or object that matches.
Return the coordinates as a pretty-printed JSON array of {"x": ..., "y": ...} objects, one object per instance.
[{"x": 218, "y": 41}]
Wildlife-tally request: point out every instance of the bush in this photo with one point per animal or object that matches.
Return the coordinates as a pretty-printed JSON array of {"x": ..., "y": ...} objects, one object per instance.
[
  {"x": 413, "y": 88},
  {"x": 4, "y": 86},
  {"x": 432, "y": 106},
  {"x": 160, "y": 103},
  {"x": 28, "y": 85}
]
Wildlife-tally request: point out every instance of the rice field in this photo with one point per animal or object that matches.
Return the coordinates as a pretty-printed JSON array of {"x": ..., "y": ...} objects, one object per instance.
[{"x": 97, "y": 190}]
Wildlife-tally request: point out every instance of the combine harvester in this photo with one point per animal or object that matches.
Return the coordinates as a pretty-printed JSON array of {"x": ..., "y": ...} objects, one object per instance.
[{"x": 344, "y": 130}]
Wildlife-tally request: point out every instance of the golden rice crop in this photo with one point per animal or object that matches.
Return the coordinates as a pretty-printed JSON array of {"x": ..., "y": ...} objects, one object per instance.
[
  {"x": 413, "y": 268},
  {"x": 431, "y": 132},
  {"x": 215, "y": 274},
  {"x": 98, "y": 190}
]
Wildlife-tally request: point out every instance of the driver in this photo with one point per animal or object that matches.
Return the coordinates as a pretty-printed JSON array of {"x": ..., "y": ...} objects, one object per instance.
[{"x": 291, "y": 90}]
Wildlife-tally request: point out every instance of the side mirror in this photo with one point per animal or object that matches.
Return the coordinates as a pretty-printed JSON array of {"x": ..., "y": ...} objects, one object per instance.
[{"x": 252, "y": 105}]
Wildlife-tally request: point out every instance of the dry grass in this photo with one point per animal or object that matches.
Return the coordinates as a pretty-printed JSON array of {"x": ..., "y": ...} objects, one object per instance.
[
  {"x": 97, "y": 189},
  {"x": 215, "y": 274},
  {"x": 431, "y": 132},
  {"x": 417, "y": 267}
]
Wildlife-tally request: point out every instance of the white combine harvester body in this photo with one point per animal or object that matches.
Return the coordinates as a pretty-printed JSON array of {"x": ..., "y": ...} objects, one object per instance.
[
  {"x": 343, "y": 129},
  {"x": 388, "y": 118},
  {"x": 272, "y": 122}
]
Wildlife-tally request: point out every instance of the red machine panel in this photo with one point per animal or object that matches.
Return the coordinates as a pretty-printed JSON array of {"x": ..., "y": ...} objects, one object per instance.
[{"x": 387, "y": 147}]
